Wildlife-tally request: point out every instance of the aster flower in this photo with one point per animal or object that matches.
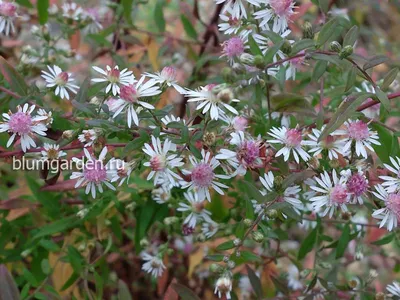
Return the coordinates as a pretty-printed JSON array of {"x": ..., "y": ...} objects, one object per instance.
[
  {"x": 292, "y": 141},
  {"x": 230, "y": 24},
  {"x": 331, "y": 193},
  {"x": 357, "y": 185},
  {"x": 357, "y": 133},
  {"x": 390, "y": 214},
  {"x": 277, "y": 11},
  {"x": 292, "y": 66},
  {"x": 153, "y": 264},
  {"x": 130, "y": 96},
  {"x": 293, "y": 278},
  {"x": 161, "y": 194},
  {"x": 167, "y": 76},
  {"x": 23, "y": 124},
  {"x": 94, "y": 173},
  {"x": 71, "y": 10},
  {"x": 233, "y": 48},
  {"x": 265, "y": 43},
  {"x": 61, "y": 80},
  {"x": 392, "y": 184},
  {"x": 196, "y": 209},
  {"x": 8, "y": 12},
  {"x": 237, "y": 7},
  {"x": 45, "y": 116},
  {"x": 115, "y": 78},
  {"x": 394, "y": 288},
  {"x": 209, "y": 229},
  {"x": 223, "y": 286},
  {"x": 52, "y": 151},
  {"x": 88, "y": 137},
  {"x": 120, "y": 170},
  {"x": 92, "y": 15},
  {"x": 209, "y": 101},
  {"x": 246, "y": 154},
  {"x": 161, "y": 162},
  {"x": 203, "y": 177},
  {"x": 329, "y": 144}
]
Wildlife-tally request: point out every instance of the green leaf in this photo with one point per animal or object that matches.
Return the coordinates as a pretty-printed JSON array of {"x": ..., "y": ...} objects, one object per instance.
[
  {"x": 297, "y": 177},
  {"x": 45, "y": 265},
  {"x": 308, "y": 244},
  {"x": 75, "y": 259},
  {"x": 8, "y": 287},
  {"x": 375, "y": 61},
  {"x": 327, "y": 31},
  {"x": 350, "y": 78},
  {"x": 281, "y": 286},
  {"x": 324, "y": 5},
  {"x": 250, "y": 256},
  {"x": 56, "y": 227},
  {"x": 301, "y": 45},
  {"x": 189, "y": 29},
  {"x": 25, "y": 3},
  {"x": 351, "y": 36},
  {"x": 14, "y": 79},
  {"x": 319, "y": 70},
  {"x": 255, "y": 282},
  {"x": 333, "y": 59},
  {"x": 345, "y": 110},
  {"x": 123, "y": 291},
  {"x": 184, "y": 292},
  {"x": 74, "y": 277},
  {"x": 159, "y": 15},
  {"x": 385, "y": 240},
  {"x": 269, "y": 55},
  {"x": 43, "y": 11},
  {"x": 82, "y": 94},
  {"x": 225, "y": 246},
  {"x": 383, "y": 98},
  {"x": 215, "y": 257},
  {"x": 343, "y": 241},
  {"x": 386, "y": 139},
  {"x": 389, "y": 78},
  {"x": 254, "y": 49},
  {"x": 127, "y": 8}
]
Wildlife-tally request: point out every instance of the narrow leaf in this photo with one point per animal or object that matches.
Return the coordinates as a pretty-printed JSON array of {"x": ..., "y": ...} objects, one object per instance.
[
  {"x": 255, "y": 282},
  {"x": 43, "y": 11},
  {"x": 308, "y": 244},
  {"x": 375, "y": 61},
  {"x": 383, "y": 98},
  {"x": 159, "y": 15},
  {"x": 8, "y": 287},
  {"x": 351, "y": 36},
  {"x": 389, "y": 78},
  {"x": 189, "y": 29},
  {"x": 184, "y": 292},
  {"x": 343, "y": 241}
]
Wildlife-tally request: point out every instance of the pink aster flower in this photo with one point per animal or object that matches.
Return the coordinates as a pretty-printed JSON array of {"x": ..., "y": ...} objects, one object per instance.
[
  {"x": 94, "y": 173},
  {"x": 357, "y": 185},
  {"x": 277, "y": 11},
  {"x": 233, "y": 48},
  {"x": 203, "y": 177},
  {"x": 23, "y": 124},
  {"x": 390, "y": 213},
  {"x": 392, "y": 183},
  {"x": 196, "y": 209},
  {"x": 237, "y": 7},
  {"x": 8, "y": 12}
]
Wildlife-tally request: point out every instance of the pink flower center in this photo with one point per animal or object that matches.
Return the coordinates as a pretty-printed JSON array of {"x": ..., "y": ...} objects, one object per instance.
[
  {"x": 357, "y": 184},
  {"x": 157, "y": 163},
  {"x": 209, "y": 87},
  {"x": 293, "y": 138},
  {"x": 393, "y": 203},
  {"x": 197, "y": 207},
  {"x": 281, "y": 7},
  {"x": 20, "y": 123},
  {"x": 233, "y": 47},
  {"x": 8, "y": 9},
  {"x": 95, "y": 172},
  {"x": 234, "y": 22},
  {"x": 248, "y": 153},
  {"x": 168, "y": 73},
  {"x": 328, "y": 141},
  {"x": 202, "y": 175},
  {"x": 129, "y": 93},
  {"x": 62, "y": 78},
  {"x": 240, "y": 123},
  {"x": 338, "y": 195},
  {"x": 358, "y": 130},
  {"x": 113, "y": 75}
]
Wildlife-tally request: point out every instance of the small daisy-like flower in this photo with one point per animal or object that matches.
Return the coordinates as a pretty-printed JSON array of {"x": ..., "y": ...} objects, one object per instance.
[
  {"x": 203, "y": 177},
  {"x": 390, "y": 214},
  {"x": 265, "y": 43},
  {"x": 162, "y": 194},
  {"x": 392, "y": 184},
  {"x": 329, "y": 144},
  {"x": 130, "y": 96},
  {"x": 45, "y": 116},
  {"x": 196, "y": 209},
  {"x": 121, "y": 170},
  {"x": 93, "y": 17},
  {"x": 223, "y": 286},
  {"x": 94, "y": 173},
  {"x": 246, "y": 155},
  {"x": 330, "y": 193},
  {"x": 209, "y": 101},
  {"x": 61, "y": 80},
  {"x": 293, "y": 277},
  {"x": 292, "y": 141},
  {"x": 167, "y": 76},
  {"x": 237, "y": 7},
  {"x": 357, "y": 133},
  {"x": 292, "y": 66},
  {"x": 161, "y": 162},
  {"x": 115, "y": 78},
  {"x": 153, "y": 264},
  {"x": 8, "y": 12},
  {"x": 88, "y": 137},
  {"x": 394, "y": 288},
  {"x": 71, "y": 10},
  {"x": 23, "y": 124},
  {"x": 230, "y": 24},
  {"x": 233, "y": 48},
  {"x": 278, "y": 11},
  {"x": 357, "y": 185},
  {"x": 209, "y": 229},
  {"x": 52, "y": 152}
]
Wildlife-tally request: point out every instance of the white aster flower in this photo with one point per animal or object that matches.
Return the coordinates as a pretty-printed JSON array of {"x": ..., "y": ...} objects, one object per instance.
[
  {"x": 203, "y": 177},
  {"x": 162, "y": 161},
  {"x": 115, "y": 78},
  {"x": 292, "y": 141},
  {"x": 196, "y": 209},
  {"x": 223, "y": 286},
  {"x": 45, "y": 116},
  {"x": 390, "y": 214},
  {"x": 94, "y": 173},
  {"x": 209, "y": 229},
  {"x": 265, "y": 43},
  {"x": 93, "y": 16},
  {"x": 161, "y": 194},
  {"x": 52, "y": 151},
  {"x": 61, "y": 80},
  {"x": 153, "y": 264},
  {"x": 329, "y": 144},
  {"x": 23, "y": 124},
  {"x": 394, "y": 288},
  {"x": 167, "y": 76},
  {"x": 130, "y": 96},
  {"x": 237, "y": 7},
  {"x": 88, "y": 137},
  {"x": 230, "y": 24},
  {"x": 71, "y": 10},
  {"x": 357, "y": 133},
  {"x": 330, "y": 193},
  {"x": 120, "y": 170},
  {"x": 392, "y": 184},
  {"x": 209, "y": 101},
  {"x": 8, "y": 12},
  {"x": 277, "y": 11},
  {"x": 294, "y": 282}
]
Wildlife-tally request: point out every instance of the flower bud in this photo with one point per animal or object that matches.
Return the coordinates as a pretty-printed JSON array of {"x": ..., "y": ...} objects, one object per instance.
[
  {"x": 226, "y": 95},
  {"x": 380, "y": 296},
  {"x": 218, "y": 87},
  {"x": 305, "y": 273},
  {"x": 259, "y": 62},
  {"x": 144, "y": 243},
  {"x": 346, "y": 52},
  {"x": 286, "y": 47},
  {"x": 231, "y": 264},
  {"x": 237, "y": 253},
  {"x": 68, "y": 134},
  {"x": 247, "y": 59},
  {"x": 272, "y": 213},
  {"x": 278, "y": 181},
  {"x": 171, "y": 220},
  {"x": 237, "y": 242},
  {"x": 201, "y": 238},
  {"x": 248, "y": 222},
  {"x": 82, "y": 213},
  {"x": 209, "y": 138},
  {"x": 226, "y": 258},
  {"x": 308, "y": 31},
  {"x": 335, "y": 47},
  {"x": 216, "y": 268},
  {"x": 131, "y": 206},
  {"x": 257, "y": 236}
]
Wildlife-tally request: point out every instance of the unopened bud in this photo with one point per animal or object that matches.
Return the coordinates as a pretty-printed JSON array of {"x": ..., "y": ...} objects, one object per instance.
[
  {"x": 278, "y": 181},
  {"x": 325, "y": 265},
  {"x": 144, "y": 243},
  {"x": 272, "y": 213},
  {"x": 346, "y": 216},
  {"x": 201, "y": 238},
  {"x": 248, "y": 222},
  {"x": 380, "y": 296},
  {"x": 247, "y": 59},
  {"x": 286, "y": 47},
  {"x": 131, "y": 206},
  {"x": 226, "y": 258},
  {"x": 237, "y": 242},
  {"x": 171, "y": 220},
  {"x": 68, "y": 134},
  {"x": 216, "y": 268},
  {"x": 209, "y": 138},
  {"x": 258, "y": 236},
  {"x": 231, "y": 264},
  {"x": 346, "y": 52},
  {"x": 226, "y": 95},
  {"x": 82, "y": 213},
  {"x": 259, "y": 62},
  {"x": 335, "y": 46},
  {"x": 308, "y": 31}
]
